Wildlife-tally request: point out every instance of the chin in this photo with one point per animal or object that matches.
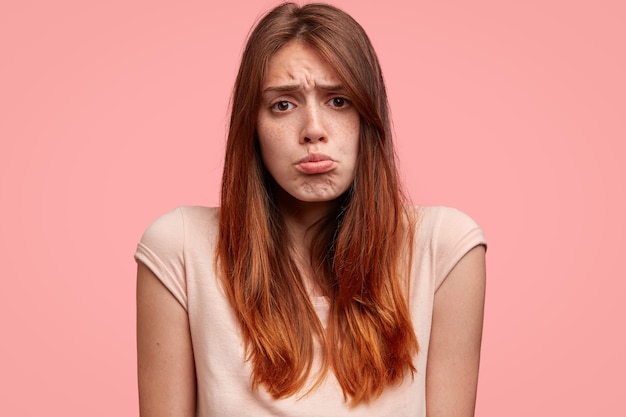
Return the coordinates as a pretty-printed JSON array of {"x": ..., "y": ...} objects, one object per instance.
[
  {"x": 318, "y": 200},
  {"x": 310, "y": 194},
  {"x": 321, "y": 197}
]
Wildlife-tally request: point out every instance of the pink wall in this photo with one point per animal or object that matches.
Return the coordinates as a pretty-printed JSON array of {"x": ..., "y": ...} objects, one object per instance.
[{"x": 114, "y": 112}]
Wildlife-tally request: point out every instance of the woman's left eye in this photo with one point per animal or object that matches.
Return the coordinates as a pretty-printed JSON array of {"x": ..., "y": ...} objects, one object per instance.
[{"x": 339, "y": 102}]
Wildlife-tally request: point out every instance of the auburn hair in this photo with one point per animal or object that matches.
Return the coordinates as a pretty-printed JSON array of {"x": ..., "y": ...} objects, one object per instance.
[{"x": 360, "y": 252}]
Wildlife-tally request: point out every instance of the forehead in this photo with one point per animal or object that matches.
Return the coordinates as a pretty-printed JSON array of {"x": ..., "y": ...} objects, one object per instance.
[{"x": 299, "y": 63}]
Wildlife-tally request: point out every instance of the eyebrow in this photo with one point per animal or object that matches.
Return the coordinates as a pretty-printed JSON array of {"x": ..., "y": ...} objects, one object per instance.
[{"x": 295, "y": 87}]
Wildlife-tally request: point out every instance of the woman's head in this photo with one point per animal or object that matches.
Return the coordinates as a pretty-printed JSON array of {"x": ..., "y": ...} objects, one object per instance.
[
  {"x": 339, "y": 41},
  {"x": 307, "y": 129}
]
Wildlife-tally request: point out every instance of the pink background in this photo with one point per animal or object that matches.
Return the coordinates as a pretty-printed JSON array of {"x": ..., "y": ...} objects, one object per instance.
[{"x": 114, "y": 112}]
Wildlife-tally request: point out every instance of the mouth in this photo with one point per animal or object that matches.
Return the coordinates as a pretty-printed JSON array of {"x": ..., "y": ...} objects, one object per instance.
[{"x": 315, "y": 163}]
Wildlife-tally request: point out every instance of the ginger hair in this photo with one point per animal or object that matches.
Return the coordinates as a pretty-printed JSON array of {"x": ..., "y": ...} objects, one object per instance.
[{"x": 358, "y": 251}]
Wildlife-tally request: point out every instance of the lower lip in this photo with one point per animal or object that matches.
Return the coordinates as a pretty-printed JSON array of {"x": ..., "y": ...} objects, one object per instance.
[{"x": 317, "y": 167}]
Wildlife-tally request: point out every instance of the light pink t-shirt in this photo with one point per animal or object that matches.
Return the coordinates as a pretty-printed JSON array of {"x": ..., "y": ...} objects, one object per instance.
[{"x": 179, "y": 247}]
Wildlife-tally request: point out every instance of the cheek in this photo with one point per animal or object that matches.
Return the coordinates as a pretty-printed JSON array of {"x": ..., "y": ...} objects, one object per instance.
[
  {"x": 261, "y": 131},
  {"x": 270, "y": 131},
  {"x": 272, "y": 152},
  {"x": 352, "y": 132},
  {"x": 265, "y": 137}
]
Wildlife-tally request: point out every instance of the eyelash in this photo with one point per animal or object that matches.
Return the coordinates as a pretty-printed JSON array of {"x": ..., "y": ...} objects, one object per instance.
[{"x": 275, "y": 106}]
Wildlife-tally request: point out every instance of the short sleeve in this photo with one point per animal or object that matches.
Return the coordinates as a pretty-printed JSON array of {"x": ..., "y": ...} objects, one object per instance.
[
  {"x": 161, "y": 249},
  {"x": 456, "y": 234}
]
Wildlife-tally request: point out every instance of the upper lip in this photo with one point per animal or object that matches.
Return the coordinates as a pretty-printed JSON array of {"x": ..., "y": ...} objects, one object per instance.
[{"x": 315, "y": 157}]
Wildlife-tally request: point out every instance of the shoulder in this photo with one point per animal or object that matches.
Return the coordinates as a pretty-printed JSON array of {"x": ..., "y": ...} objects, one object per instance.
[
  {"x": 447, "y": 234},
  {"x": 171, "y": 227},
  {"x": 165, "y": 244},
  {"x": 443, "y": 221},
  {"x": 445, "y": 226}
]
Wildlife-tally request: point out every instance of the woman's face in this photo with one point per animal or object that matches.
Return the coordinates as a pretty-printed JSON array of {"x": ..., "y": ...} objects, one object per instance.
[{"x": 308, "y": 129}]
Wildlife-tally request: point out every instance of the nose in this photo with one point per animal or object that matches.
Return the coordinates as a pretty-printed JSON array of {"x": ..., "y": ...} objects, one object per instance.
[{"x": 313, "y": 126}]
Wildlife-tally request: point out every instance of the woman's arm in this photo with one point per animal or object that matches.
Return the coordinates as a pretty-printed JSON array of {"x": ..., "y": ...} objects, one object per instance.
[
  {"x": 167, "y": 380},
  {"x": 454, "y": 352}
]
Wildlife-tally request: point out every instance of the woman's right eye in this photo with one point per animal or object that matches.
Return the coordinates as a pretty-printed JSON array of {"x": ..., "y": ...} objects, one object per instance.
[{"x": 282, "y": 106}]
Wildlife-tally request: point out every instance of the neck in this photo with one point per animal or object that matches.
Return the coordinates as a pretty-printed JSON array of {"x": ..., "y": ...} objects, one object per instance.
[{"x": 301, "y": 216}]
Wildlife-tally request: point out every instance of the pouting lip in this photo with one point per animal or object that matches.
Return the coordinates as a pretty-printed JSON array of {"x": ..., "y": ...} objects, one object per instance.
[{"x": 315, "y": 157}]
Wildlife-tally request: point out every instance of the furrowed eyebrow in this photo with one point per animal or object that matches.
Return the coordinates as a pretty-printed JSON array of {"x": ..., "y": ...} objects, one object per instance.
[{"x": 296, "y": 87}]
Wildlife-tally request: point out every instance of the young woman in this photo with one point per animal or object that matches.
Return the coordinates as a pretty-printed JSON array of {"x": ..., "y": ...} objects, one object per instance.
[{"x": 315, "y": 289}]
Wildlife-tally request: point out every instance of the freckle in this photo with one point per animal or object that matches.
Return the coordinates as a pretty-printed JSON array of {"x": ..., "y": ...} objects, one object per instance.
[{"x": 158, "y": 343}]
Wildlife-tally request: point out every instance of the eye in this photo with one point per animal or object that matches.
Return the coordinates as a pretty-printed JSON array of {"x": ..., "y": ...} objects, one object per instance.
[
  {"x": 339, "y": 102},
  {"x": 282, "y": 106}
]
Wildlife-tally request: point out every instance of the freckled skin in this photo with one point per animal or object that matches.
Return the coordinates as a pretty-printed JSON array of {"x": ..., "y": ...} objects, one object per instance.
[{"x": 306, "y": 112}]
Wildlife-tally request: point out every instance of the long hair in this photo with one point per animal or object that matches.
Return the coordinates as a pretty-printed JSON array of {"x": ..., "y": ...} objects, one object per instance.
[{"x": 358, "y": 251}]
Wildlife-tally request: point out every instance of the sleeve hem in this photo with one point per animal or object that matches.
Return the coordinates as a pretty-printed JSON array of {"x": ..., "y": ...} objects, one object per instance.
[
  {"x": 457, "y": 235},
  {"x": 152, "y": 261}
]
